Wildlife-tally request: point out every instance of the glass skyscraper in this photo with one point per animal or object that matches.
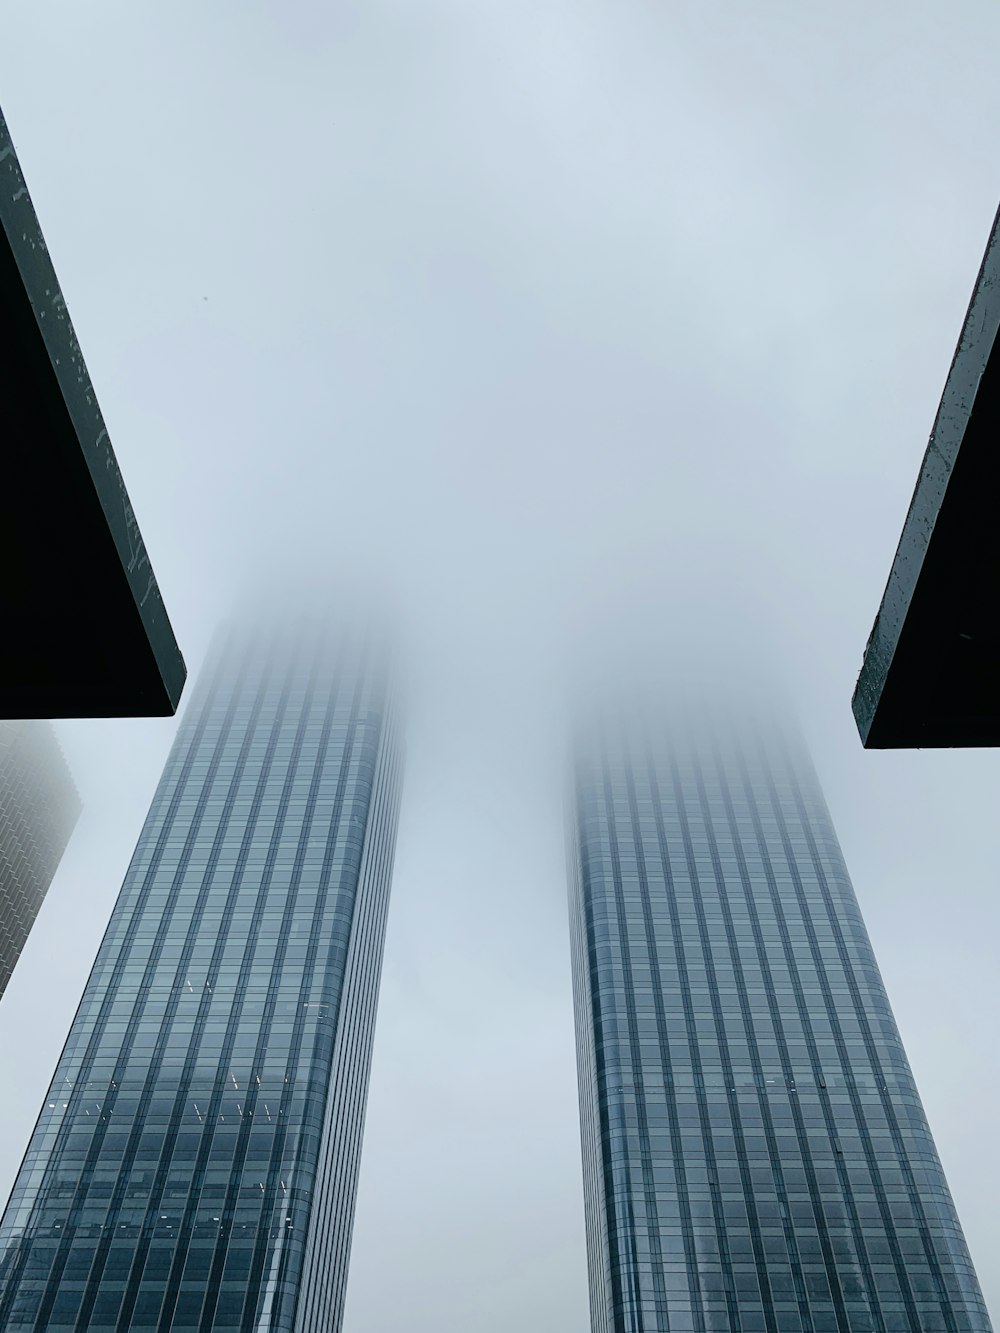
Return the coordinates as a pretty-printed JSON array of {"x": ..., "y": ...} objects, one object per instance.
[
  {"x": 195, "y": 1163},
  {"x": 39, "y": 807},
  {"x": 756, "y": 1159}
]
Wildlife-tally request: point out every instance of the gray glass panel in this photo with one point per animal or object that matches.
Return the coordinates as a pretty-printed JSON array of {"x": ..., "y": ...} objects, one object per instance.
[
  {"x": 39, "y": 808},
  {"x": 756, "y": 1157},
  {"x": 195, "y": 1164}
]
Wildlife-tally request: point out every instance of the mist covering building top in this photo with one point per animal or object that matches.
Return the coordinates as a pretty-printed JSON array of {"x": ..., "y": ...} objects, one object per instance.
[
  {"x": 756, "y": 1158},
  {"x": 195, "y": 1163},
  {"x": 39, "y": 807}
]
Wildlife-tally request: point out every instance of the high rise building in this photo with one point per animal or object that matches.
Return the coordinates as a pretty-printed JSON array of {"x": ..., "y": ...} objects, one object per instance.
[
  {"x": 195, "y": 1163},
  {"x": 756, "y": 1158},
  {"x": 39, "y": 808}
]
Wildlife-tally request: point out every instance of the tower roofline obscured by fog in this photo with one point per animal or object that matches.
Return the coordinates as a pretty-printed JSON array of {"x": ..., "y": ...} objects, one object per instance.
[{"x": 755, "y": 1154}]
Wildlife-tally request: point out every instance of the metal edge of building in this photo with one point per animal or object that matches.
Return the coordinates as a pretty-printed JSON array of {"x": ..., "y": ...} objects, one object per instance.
[
  {"x": 42, "y": 321},
  {"x": 901, "y": 696}
]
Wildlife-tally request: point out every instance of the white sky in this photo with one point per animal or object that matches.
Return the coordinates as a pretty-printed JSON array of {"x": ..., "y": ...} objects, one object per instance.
[{"x": 532, "y": 309}]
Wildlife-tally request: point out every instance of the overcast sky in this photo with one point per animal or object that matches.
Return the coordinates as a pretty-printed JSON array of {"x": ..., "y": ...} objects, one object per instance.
[{"x": 533, "y": 309}]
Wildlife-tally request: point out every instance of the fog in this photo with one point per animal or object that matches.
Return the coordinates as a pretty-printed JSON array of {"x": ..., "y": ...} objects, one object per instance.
[{"x": 559, "y": 322}]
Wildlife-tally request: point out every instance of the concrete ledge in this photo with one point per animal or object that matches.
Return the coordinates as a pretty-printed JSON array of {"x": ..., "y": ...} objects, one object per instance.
[
  {"x": 85, "y": 631},
  {"x": 931, "y": 672}
]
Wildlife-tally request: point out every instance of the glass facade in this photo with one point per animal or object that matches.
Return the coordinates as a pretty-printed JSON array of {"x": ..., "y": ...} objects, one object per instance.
[
  {"x": 39, "y": 808},
  {"x": 756, "y": 1159},
  {"x": 195, "y": 1164}
]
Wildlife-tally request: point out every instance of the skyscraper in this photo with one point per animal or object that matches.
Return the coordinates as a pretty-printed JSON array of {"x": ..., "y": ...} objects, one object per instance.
[
  {"x": 195, "y": 1163},
  {"x": 756, "y": 1158},
  {"x": 39, "y": 808}
]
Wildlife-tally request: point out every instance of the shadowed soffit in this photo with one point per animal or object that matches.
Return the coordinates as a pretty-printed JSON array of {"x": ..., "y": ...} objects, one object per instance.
[
  {"x": 931, "y": 672},
  {"x": 86, "y": 633}
]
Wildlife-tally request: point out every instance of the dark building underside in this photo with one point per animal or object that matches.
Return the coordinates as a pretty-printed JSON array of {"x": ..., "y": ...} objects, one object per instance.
[
  {"x": 85, "y": 630},
  {"x": 931, "y": 672}
]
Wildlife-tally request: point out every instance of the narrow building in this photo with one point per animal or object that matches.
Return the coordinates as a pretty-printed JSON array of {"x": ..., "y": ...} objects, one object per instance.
[
  {"x": 39, "y": 807},
  {"x": 195, "y": 1163},
  {"x": 756, "y": 1158}
]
